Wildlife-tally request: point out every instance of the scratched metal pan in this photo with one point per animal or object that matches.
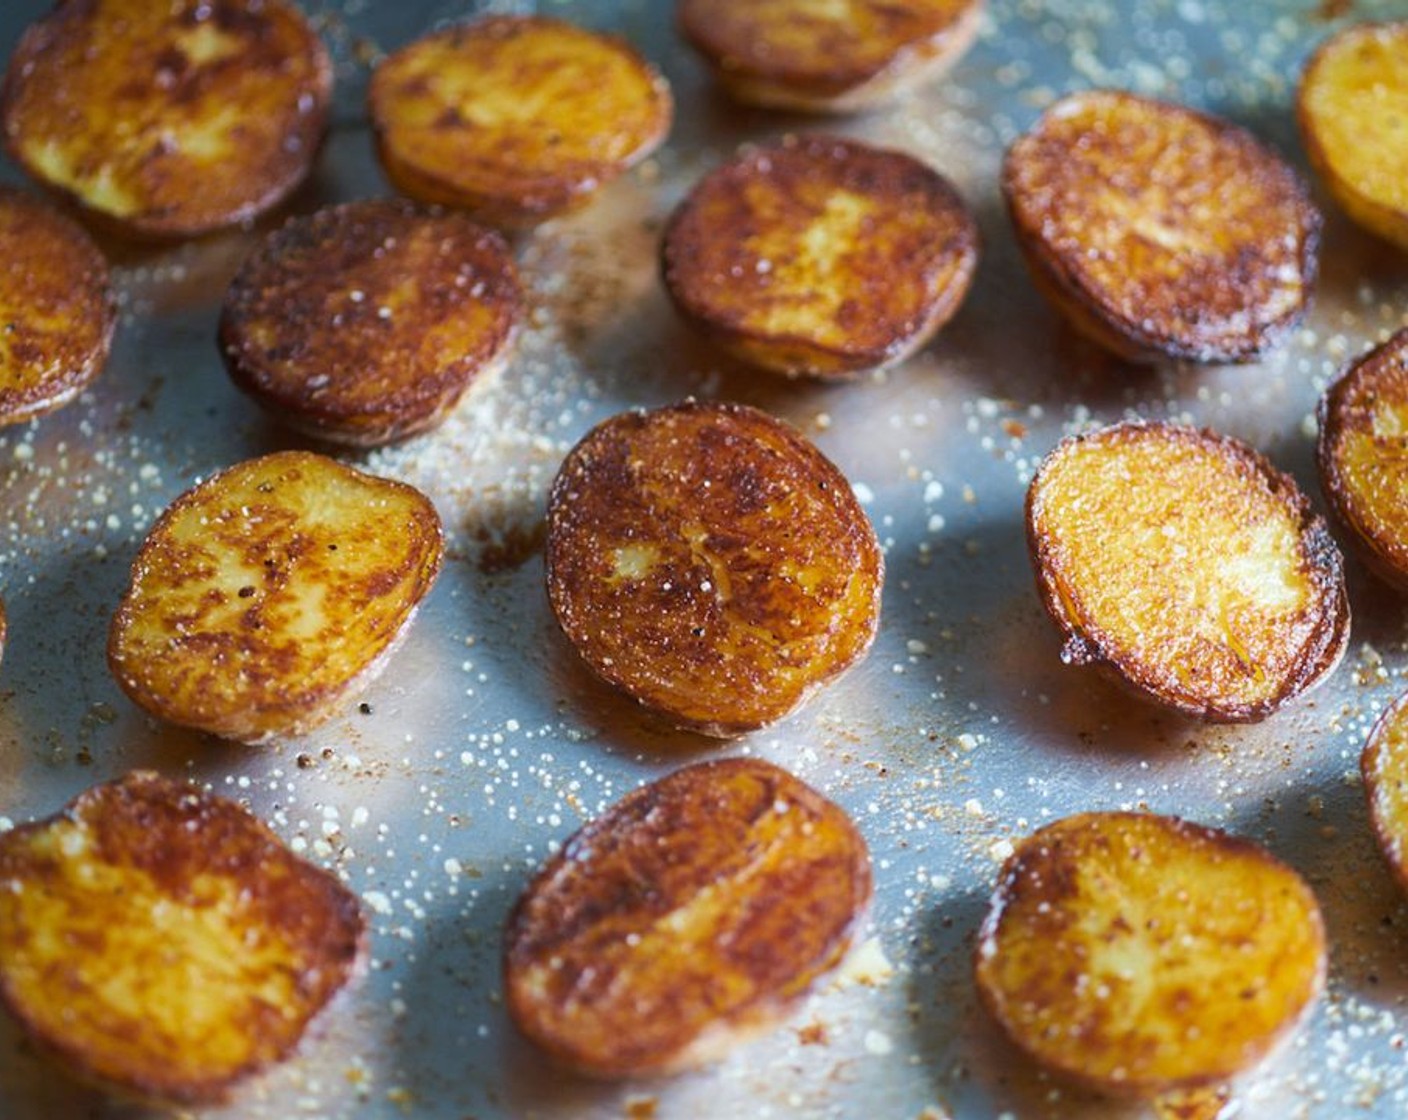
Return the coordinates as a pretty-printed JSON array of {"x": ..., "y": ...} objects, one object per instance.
[{"x": 485, "y": 743}]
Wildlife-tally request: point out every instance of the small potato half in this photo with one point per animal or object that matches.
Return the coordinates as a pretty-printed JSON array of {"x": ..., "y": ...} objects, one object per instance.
[
  {"x": 696, "y": 910},
  {"x": 162, "y": 943},
  {"x": 820, "y": 256},
  {"x": 827, "y": 58},
  {"x": 1140, "y": 955},
  {"x": 270, "y": 593},
  {"x": 711, "y": 563},
  {"x": 167, "y": 120},
  {"x": 1352, "y": 105},
  {"x": 1362, "y": 454},
  {"x": 1189, "y": 566},
  {"x": 1384, "y": 767},
  {"x": 1161, "y": 232}
]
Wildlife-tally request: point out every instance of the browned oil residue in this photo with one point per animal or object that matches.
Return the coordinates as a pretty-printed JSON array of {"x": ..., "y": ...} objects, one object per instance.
[{"x": 1333, "y": 9}]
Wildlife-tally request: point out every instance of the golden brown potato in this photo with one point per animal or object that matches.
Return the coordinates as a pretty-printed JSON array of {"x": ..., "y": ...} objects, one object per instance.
[
  {"x": 1188, "y": 565},
  {"x": 163, "y": 943},
  {"x": 1353, "y": 110},
  {"x": 56, "y": 309},
  {"x": 515, "y": 118},
  {"x": 827, "y": 57},
  {"x": 366, "y": 323},
  {"x": 168, "y": 119},
  {"x": 1384, "y": 766},
  {"x": 820, "y": 256},
  {"x": 1159, "y": 231},
  {"x": 710, "y": 562},
  {"x": 1140, "y": 954},
  {"x": 695, "y": 911},
  {"x": 1360, "y": 452},
  {"x": 269, "y": 594}
]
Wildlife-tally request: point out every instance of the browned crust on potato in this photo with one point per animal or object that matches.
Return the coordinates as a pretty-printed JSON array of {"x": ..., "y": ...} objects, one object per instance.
[
  {"x": 821, "y": 256},
  {"x": 695, "y": 910},
  {"x": 1360, "y": 451},
  {"x": 1352, "y": 108},
  {"x": 1188, "y": 565},
  {"x": 163, "y": 122},
  {"x": 162, "y": 942},
  {"x": 516, "y": 118},
  {"x": 365, "y": 323},
  {"x": 712, "y": 563},
  {"x": 1160, "y": 231},
  {"x": 792, "y": 54},
  {"x": 57, "y": 313},
  {"x": 267, "y": 595},
  {"x": 1383, "y": 765},
  {"x": 1139, "y": 954}
]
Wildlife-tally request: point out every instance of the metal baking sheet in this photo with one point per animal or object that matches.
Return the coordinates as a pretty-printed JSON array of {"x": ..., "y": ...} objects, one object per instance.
[{"x": 486, "y": 744}]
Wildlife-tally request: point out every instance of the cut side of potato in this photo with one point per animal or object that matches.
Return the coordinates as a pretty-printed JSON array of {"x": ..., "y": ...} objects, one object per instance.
[
  {"x": 695, "y": 911},
  {"x": 836, "y": 56},
  {"x": 1384, "y": 766},
  {"x": 1362, "y": 453},
  {"x": 366, "y": 323},
  {"x": 820, "y": 256},
  {"x": 57, "y": 313},
  {"x": 168, "y": 119},
  {"x": 1139, "y": 954},
  {"x": 1162, "y": 232},
  {"x": 712, "y": 563},
  {"x": 1186, "y": 563},
  {"x": 271, "y": 593},
  {"x": 1352, "y": 105},
  {"x": 515, "y": 118},
  {"x": 163, "y": 943}
]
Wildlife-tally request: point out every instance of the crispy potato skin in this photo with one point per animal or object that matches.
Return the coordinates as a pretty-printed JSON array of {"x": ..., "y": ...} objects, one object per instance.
[
  {"x": 1162, "y": 232},
  {"x": 1384, "y": 768},
  {"x": 820, "y": 256},
  {"x": 268, "y": 594},
  {"x": 1352, "y": 106},
  {"x": 798, "y": 54},
  {"x": 1139, "y": 954},
  {"x": 162, "y": 942},
  {"x": 1187, "y": 564},
  {"x": 168, "y": 120},
  {"x": 57, "y": 314},
  {"x": 710, "y": 562},
  {"x": 365, "y": 323},
  {"x": 517, "y": 119},
  {"x": 696, "y": 909},
  {"x": 1363, "y": 433}
]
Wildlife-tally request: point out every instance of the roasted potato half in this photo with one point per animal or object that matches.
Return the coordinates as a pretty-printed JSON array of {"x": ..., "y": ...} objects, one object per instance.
[
  {"x": 515, "y": 118},
  {"x": 1189, "y": 566},
  {"x": 365, "y": 323},
  {"x": 829, "y": 58},
  {"x": 270, "y": 593},
  {"x": 163, "y": 943},
  {"x": 56, "y": 309},
  {"x": 1140, "y": 954},
  {"x": 172, "y": 119},
  {"x": 695, "y": 911},
  {"x": 1361, "y": 455},
  {"x": 820, "y": 256},
  {"x": 1159, "y": 231},
  {"x": 1384, "y": 766},
  {"x": 711, "y": 563},
  {"x": 1352, "y": 105}
]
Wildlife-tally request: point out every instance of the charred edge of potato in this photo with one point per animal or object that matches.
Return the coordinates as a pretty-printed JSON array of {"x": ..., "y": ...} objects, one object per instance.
[
  {"x": 171, "y": 839},
  {"x": 1046, "y": 867},
  {"x": 1370, "y": 213},
  {"x": 838, "y": 91},
  {"x": 787, "y": 906},
  {"x": 1063, "y": 280},
  {"x": 291, "y": 284},
  {"x": 1085, "y": 644},
  {"x": 52, "y": 241},
  {"x": 1345, "y": 409},
  {"x": 888, "y": 175},
  {"x": 1383, "y": 767}
]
